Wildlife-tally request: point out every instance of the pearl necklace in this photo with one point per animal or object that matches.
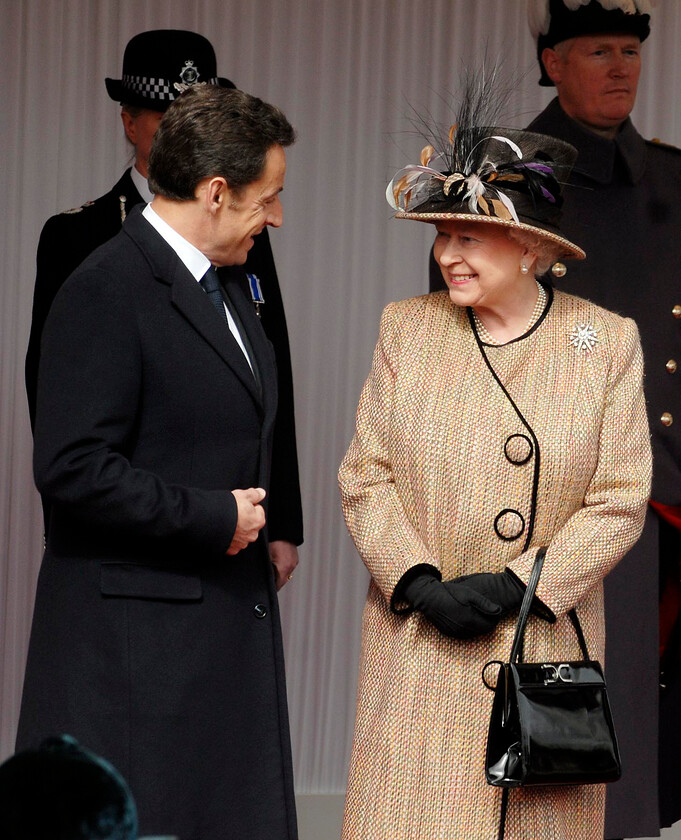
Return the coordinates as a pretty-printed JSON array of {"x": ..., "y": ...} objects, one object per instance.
[{"x": 539, "y": 305}]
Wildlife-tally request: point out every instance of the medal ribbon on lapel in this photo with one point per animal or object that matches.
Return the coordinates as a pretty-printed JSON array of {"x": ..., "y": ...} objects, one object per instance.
[{"x": 256, "y": 292}]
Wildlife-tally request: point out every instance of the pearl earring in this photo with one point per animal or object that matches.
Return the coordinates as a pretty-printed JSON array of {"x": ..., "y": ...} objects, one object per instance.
[{"x": 524, "y": 269}]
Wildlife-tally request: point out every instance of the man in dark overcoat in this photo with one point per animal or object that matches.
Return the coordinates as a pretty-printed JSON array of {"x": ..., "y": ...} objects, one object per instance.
[
  {"x": 156, "y": 639},
  {"x": 157, "y": 66}
]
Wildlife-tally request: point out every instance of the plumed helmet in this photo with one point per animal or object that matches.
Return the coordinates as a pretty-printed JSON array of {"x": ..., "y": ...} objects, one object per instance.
[{"x": 553, "y": 21}]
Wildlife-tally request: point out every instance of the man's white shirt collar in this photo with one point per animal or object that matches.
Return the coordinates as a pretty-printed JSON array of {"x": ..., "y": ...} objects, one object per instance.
[{"x": 196, "y": 262}]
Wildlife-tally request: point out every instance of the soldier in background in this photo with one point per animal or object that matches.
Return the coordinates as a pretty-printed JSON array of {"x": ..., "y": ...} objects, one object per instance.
[
  {"x": 623, "y": 205},
  {"x": 157, "y": 66},
  {"x": 624, "y": 208}
]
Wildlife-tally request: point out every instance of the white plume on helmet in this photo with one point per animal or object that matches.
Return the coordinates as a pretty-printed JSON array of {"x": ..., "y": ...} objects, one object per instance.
[{"x": 539, "y": 15}]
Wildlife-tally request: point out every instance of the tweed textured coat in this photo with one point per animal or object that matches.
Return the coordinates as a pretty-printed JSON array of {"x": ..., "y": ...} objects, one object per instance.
[{"x": 443, "y": 471}]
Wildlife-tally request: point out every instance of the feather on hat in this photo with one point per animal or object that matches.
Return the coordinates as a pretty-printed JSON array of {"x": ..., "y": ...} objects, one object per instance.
[{"x": 477, "y": 171}]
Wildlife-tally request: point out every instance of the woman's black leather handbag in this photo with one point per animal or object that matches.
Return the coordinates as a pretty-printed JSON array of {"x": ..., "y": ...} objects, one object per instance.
[{"x": 551, "y": 722}]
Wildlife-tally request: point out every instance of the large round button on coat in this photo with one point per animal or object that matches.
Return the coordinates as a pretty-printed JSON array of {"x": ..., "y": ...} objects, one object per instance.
[
  {"x": 676, "y": 311},
  {"x": 666, "y": 419},
  {"x": 260, "y": 610},
  {"x": 509, "y": 524},
  {"x": 671, "y": 366},
  {"x": 518, "y": 449}
]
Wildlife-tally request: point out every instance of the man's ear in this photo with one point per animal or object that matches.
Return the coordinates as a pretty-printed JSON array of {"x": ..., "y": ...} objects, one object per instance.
[
  {"x": 130, "y": 127},
  {"x": 553, "y": 64},
  {"x": 215, "y": 193}
]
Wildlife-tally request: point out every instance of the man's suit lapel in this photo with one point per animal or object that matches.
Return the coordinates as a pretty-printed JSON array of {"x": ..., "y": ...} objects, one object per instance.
[
  {"x": 190, "y": 300},
  {"x": 231, "y": 278}
]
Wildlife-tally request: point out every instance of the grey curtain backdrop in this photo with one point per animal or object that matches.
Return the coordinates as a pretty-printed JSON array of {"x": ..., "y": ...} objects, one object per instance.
[{"x": 346, "y": 73}]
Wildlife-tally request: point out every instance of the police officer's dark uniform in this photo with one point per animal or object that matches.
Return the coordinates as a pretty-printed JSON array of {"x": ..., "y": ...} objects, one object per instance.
[
  {"x": 157, "y": 65},
  {"x": 65, "y": 241}
]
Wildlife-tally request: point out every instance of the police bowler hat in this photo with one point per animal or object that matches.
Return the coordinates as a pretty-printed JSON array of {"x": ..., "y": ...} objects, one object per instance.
[{"x": 160, "y": 64}]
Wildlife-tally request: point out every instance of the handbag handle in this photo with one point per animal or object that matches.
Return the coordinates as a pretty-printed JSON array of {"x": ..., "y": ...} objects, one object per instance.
[
  {"x": 516, "y": 648},
  {"x": 526, "y": 606}
]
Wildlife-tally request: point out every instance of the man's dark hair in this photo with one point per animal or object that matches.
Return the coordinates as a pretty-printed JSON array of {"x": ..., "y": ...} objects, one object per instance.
[{"x": 211, "y": 131}]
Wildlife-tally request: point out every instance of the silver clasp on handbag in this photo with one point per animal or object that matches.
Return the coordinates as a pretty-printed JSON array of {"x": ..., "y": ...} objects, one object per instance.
[{"x": 555, "y": 673}]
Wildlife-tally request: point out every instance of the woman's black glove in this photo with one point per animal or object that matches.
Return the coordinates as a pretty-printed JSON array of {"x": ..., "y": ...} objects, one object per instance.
[
  {"x": 501, "y": 588},
  {"x": 455, "y": 609}
]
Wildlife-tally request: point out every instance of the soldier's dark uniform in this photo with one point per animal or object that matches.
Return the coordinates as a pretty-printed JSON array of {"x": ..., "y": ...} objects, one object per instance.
[
  {"x": 68, "y": 238},
  {"x": 623, "y": 207}
]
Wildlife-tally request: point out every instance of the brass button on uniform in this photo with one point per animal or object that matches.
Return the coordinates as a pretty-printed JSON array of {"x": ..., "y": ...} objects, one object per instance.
[
  {"x": 676, "y": 311},
  {"x": 666, "y": 419},
  {"x": 559, "y": 269},
  {"x": 671, "y": 366}
]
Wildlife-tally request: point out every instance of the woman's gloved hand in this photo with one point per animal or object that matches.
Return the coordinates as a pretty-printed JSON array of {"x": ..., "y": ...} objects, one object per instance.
[
  {"x": 501, "y": 588},
  {"x": 455, "y": 609}
]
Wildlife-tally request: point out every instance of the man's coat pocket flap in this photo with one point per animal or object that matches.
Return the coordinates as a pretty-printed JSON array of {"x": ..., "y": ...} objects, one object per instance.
[{"x": 133, "y": 580}]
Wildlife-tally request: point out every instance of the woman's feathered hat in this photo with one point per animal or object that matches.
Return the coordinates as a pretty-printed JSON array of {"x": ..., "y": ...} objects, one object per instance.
[
  {"x": 554, "y": 21},
  {"x": 478, "y": 172}
]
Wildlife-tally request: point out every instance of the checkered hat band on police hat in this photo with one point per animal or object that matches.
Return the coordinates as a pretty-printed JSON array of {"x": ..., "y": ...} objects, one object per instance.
[{"x": 154, "y": 88}]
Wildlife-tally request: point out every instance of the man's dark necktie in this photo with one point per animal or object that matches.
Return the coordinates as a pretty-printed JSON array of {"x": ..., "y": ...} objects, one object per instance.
[
  {"x": 210, "y": 282},
  {"x": 211, "y": 286}
]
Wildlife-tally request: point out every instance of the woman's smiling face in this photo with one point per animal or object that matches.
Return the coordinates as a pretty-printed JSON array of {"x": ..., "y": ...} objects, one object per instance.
[{"x": 479, "y": 262}]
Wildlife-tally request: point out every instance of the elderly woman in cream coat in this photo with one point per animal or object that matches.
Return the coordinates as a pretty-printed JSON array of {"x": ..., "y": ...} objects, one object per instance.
[{"x": 499, "y": 416}]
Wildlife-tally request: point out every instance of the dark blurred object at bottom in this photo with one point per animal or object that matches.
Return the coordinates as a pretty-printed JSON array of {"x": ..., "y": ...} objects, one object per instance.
[{"x": 61, "y": 791}]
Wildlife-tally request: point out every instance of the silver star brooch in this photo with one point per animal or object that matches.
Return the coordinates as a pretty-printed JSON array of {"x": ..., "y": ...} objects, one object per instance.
[{"x": 584, "y": 337}]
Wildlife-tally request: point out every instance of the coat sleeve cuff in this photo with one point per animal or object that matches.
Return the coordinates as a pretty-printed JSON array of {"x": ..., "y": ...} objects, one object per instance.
[{"x": 398, "y": 604}]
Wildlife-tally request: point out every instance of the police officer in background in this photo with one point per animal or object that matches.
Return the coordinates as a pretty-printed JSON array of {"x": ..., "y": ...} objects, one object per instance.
[
  {"x": 624, "y": 208},
  {"x": 157, "y": 66}
]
